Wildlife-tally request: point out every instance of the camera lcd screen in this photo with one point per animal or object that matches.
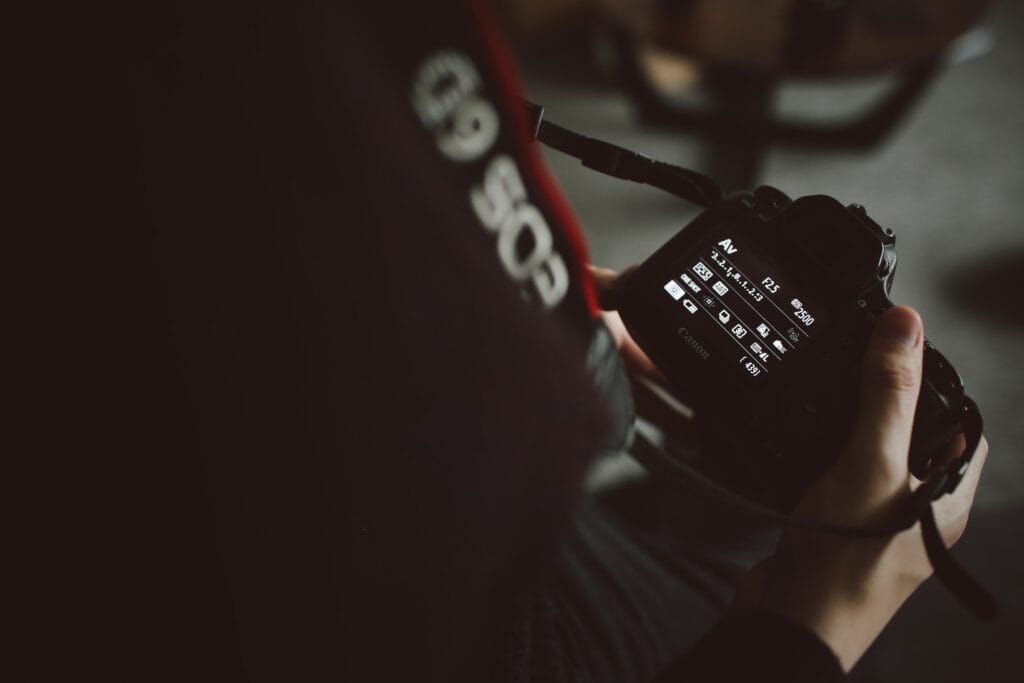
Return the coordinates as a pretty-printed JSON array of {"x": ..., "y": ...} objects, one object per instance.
[{"x": 742, "y": 303}]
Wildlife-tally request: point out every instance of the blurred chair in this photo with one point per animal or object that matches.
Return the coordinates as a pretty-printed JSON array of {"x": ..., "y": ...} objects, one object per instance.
[{"x": 744, "y": 49}]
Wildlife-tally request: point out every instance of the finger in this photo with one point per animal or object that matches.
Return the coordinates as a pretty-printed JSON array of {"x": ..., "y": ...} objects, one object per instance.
[
  {"x": 969, "y": 484},
  {"x": 606, "y": 284},
  {"x": 953, "y": 450},
  {"x": 973, "y": 473},
  {"x": 636, "y": 360},
  {"x": 952, "y": 511},
  {"x": 890, "y": 384}
]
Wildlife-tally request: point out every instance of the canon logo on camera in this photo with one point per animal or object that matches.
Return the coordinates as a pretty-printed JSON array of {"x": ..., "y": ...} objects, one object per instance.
[{"x": 697, "y": 347}]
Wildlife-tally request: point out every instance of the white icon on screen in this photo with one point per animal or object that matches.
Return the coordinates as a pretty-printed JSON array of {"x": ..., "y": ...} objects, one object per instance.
[
  {"x": 779, "y": 346},
  {"x": 763, "y": 330},
  {"x": 688, "y": 281},
  {"x": 759, "y": 351},
  {"x": 751, "y": 366},
  {"x": 674, "y": 290},
  {"x": 703, "y": 272},
  {"x": 739, "y": 331},
  {"x": 720, "y": 288},
  {"x": 724, "y": 316},
  {"x": 689, "y": 305},
  {"x": 796, "y": 303}
]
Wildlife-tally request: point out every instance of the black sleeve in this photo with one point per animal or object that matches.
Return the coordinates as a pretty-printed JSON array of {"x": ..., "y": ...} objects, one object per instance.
[
  {"x": 361, "y": 445},
  {"x": 755, "y": 645}
]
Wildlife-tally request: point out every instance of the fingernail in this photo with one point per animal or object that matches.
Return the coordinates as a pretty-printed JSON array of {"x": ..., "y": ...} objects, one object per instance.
[{"x": 901, "y": 325}]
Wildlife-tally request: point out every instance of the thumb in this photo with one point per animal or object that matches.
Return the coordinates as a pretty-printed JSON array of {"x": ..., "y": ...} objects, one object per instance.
[{"x": 890, "y": 384}]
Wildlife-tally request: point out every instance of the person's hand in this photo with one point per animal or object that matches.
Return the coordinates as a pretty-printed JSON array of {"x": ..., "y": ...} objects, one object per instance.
[
  {"x": 605, "y": 283},
  {"x": 652, "y": 397},
  {"x": 846, "y": 590}
]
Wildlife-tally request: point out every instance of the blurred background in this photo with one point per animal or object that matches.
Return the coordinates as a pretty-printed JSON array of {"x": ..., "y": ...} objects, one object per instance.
[{"x": 909, "y": 107}]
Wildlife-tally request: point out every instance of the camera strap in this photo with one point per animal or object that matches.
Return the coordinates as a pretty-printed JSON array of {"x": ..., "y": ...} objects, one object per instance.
[
  {"x": 623, "y": 163},
  {"x": 918, "y": 509},
  {"x": 619, "y": 162}
]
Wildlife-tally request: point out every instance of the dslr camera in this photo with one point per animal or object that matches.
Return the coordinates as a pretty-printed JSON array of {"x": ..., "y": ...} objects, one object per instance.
[{"x": 758, "y": 312}]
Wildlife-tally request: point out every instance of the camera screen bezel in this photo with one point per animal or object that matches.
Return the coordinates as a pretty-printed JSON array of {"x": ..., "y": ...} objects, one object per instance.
[{"x": 832, "y": 281}]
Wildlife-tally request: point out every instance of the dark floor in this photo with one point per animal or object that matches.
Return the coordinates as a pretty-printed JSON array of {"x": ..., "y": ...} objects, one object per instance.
[{"x": 950, "y": 182}]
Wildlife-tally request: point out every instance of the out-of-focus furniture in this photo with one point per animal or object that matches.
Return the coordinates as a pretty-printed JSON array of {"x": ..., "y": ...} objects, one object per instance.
[{"x": 744, "y": 49}]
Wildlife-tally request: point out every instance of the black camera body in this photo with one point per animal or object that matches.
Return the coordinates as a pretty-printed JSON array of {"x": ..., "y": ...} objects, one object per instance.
[{"x": 758, "y": 312}]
